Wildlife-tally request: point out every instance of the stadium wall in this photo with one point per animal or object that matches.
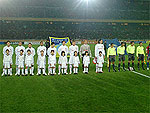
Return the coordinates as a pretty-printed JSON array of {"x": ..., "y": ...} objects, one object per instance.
[
  {"x": 37, "y": 42},
  {"x": 74, "y": 20}
]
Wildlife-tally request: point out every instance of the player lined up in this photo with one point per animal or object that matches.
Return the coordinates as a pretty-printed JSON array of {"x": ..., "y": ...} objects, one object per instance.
[{"x": 25, "y": 57}]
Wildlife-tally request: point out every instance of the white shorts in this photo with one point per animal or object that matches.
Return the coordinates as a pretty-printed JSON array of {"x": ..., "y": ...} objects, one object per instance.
[
  {"x": 7, "y": 64},
  {"x": 63, "y": 65},
  {"x": 71, "y": 60},
  {"x": 52, "y": 65},
  {"x": 76, "y": 65},
  {"x": 11, "y": 63},
  {"x": 28, "y": 63},
  {"x": 41, "y": 64},
  {"x": 32, "y": 62},
  {"x": 20, "y": 64},
  {"x": 100, "y": 64},
  {"x": 86, "y": 64}
]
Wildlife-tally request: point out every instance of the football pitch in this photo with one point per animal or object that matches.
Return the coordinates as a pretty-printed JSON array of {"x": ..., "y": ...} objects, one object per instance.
[{"x": 107, "y": 92}]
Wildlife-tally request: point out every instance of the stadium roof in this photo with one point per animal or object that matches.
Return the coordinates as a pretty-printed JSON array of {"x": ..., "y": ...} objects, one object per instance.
[{"x": 60, "y": 2}]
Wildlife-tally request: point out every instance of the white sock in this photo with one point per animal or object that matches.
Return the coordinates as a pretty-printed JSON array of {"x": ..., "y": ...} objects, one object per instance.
[
  {"x": 50, "y": 70},
  {"x": 32, "y": 69},
  {"x": 62, "y": 71},
  {"x": 16, "y": 68},
  {"x": 59, "y": 67},
  {"x": 26, "y": 71},
  {"x": 8, "y": 71},
  {"x": 5, "y": 71},
  {"x": 101, "y": 69},
  {"x": 39, "y": 71},
  {"x": 70, "y": 68},
  {"x": 74, "y": 71},
  {"x": 53, "y": 70},
  {"x": 43, "y": 71},
  {"x": 96, "y": 68},
  {"x": 87, "y": 69},
  {"x": 22, "y": 71},
  {"x": 65, "y": 71},
  {"x": 18, "y": 71}
]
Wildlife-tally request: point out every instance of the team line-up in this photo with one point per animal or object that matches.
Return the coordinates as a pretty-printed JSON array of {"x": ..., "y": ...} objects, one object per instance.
[{"x": 25, "y": 58}]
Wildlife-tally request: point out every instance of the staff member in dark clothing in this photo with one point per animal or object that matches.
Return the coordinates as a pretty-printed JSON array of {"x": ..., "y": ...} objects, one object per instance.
[
  {"x": 47, "y": 43},
  {"x": 105, "y": 47}
]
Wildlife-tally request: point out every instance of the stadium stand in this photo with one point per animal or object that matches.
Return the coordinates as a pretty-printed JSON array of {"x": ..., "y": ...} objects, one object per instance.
[
  {"x": 114, "y": 10},
  {"x": 60, "y": 12},
  {"x": 75, "y": 30}
]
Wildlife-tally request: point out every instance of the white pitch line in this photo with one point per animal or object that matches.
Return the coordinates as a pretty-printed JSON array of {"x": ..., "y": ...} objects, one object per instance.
[
  {"x": 135, "y": 72},
  {"x": 141, "y": 74}
]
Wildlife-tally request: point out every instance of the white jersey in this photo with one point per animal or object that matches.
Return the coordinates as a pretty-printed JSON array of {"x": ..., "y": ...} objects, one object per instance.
[
  {"x": 41, "y": 61},
  {"x": 18, "y": 48},
  {"x": 20, "y": 61},
  {"x": 63, "y": 48},
  {"x": 49, "y": 51},
  {"x": 17, "y": 52},
  {"x": 7, "y": 61},
  {"x": 86, "y": 60},
  {"x": 76, "y": 61},
  {"x": 40, "y": 48},
  {"x": 100, "y": 61},
  {"x": 32, "y": 51},
  {"x": 72, "y": 49},
  {"x": 10, "y": 48},
  {"x": 11, "y": 52},
  {"x": 98, "y": 48},
  {"x": 52, "y": 60},
  {"x": 29, "y": 60},
  {"x": 63, "y": 61}
]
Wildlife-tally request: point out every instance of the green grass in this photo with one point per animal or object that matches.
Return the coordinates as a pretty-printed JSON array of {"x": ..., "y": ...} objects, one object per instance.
[{"x": 107, "y": 92}]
